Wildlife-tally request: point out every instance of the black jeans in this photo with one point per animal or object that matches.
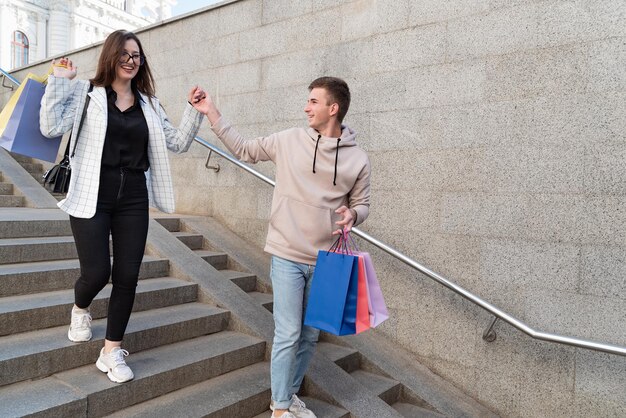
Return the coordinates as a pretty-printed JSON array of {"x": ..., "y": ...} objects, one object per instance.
[{"x": 122, "y": 212}]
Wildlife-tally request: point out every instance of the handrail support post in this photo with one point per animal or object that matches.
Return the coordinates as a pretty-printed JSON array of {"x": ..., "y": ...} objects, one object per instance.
[
  {"x": 215, "y": 167},
  {"x": 4, "y": 85},
  {"x": 489, "y": 334}
]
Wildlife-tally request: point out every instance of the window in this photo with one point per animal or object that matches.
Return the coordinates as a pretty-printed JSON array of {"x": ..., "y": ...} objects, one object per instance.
[{"x": 19, "y": 49}]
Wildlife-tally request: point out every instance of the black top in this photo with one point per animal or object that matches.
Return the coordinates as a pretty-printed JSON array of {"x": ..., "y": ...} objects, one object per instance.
[{"x": 126, "y": 140}]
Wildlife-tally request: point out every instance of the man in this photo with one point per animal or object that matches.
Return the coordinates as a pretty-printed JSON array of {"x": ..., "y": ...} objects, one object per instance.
[{"x": 322, "y": 178}]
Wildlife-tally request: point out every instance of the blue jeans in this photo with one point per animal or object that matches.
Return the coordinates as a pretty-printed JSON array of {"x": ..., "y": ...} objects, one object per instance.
[{"x": 294, "y": 343}]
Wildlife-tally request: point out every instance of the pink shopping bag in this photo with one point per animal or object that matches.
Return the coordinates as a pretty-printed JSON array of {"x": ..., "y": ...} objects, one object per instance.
[
  {"x": 377, "y": 308},
  {"x": 362, "y": 304}
]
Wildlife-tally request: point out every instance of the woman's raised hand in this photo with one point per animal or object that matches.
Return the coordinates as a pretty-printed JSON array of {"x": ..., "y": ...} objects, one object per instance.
[
  {"x": 64, "y": 68},
  {"x": 196, "y": 96},
  {"x": 203, "y": 103}
]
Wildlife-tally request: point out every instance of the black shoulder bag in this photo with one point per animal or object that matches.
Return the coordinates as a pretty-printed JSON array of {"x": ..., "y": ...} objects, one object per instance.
[{"x": 57, "y": 179}]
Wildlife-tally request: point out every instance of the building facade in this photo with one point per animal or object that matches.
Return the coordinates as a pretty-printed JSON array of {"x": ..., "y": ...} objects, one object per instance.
[{"x": 31, "y": 30}]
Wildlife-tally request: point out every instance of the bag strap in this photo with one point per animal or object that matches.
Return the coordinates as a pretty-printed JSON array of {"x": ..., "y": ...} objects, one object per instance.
[
  {"x": 67, "y": 148},
  {"x": 350, "y": 241},
  {"x": 80, "y": 124}
]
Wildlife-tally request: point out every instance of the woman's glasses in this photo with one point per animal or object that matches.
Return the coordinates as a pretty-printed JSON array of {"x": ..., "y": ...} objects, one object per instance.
[{"x": 125, "y": 57}]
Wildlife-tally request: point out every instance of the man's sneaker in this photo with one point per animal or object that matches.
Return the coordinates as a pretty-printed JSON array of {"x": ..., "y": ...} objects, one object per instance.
[
  {"x": 285, "y": 415},
  {"x": 297, "y": 409},
  {"x": 114, "y": 366},
  {"x": 80, "y": 327}
]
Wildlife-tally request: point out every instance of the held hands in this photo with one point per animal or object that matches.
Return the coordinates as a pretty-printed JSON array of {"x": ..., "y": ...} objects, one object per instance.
[
  {"x": 349, "y": 217},
  {"x": 196, "y": 96},
  {"x": 64, "y": 68},
  {"x": 203, "y": 103}
]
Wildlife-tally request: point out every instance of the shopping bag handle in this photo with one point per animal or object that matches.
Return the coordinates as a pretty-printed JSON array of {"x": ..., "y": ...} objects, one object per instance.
[
  {"x": 349, "y": 240},
  {"x": 334, "y": 248},
  {"x": 344, "y": 244}
]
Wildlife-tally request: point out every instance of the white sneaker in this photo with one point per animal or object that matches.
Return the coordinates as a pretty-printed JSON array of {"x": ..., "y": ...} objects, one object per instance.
[
  {"x": 80, "y": 327},
  {"x": 297, "y": 409},
  {"x": 114, "y": 365}
]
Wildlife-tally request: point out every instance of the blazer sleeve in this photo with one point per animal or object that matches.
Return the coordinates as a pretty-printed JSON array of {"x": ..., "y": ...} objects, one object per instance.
[
  {"x": 58, "y": 106},
  {"x": 247, "y": 150},
  {"x": 179, "y": 139}
]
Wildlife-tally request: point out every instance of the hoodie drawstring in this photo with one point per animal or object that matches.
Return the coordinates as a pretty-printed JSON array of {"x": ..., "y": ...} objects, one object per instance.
[
  {"x": 315, "y": 154},
  {"x": 336, "y": 158}
]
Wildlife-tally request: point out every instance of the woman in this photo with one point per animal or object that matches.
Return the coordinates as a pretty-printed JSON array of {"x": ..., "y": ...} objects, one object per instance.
[{"x": 119, "y": 165}]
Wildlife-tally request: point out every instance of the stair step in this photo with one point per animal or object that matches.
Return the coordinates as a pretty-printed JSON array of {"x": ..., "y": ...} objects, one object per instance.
[
  {"x": 246, "y": 281},
  {"x": 37, "y": 175},
  {"x": 24, "y": 250},
  {"x": 171, "y": 224},
  {"x": 41, "y": 353},
  {"x": 218, "y": 260},
  {"x": 264, "y": 299},
  {"x": 28, "y": 222},
  {"x": 58, "y": 196},
  {"x": 47, "y": 276},
  {"x": 50, "y": 309},
  {"x": 6, "y": 188},
  {"x": 157, "y": 372},
  {"x": 345, "y": 357},
  {"x": 21, "y": 158},
  {"x": 320, "y": 408},
  {"x": 240, "y": 393},
  {"x": 190, "y": 239},
  {"x": 387, "y": 389},
  {"x": 32, "y": 167},
  {"x": 9, "y": 201},
  {"x": 412, "y": 411}
]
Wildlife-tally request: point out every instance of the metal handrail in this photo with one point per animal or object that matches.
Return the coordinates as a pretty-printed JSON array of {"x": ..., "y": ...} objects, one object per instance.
[
  {"x": 489, "y": 334},
  {"x": 9, "y": 77}
]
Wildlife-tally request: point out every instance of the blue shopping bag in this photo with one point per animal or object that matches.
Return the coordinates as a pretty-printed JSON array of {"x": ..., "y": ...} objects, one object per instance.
[
  {"x": 333, "y": 297},
  {"x": 21, "y": 134}
]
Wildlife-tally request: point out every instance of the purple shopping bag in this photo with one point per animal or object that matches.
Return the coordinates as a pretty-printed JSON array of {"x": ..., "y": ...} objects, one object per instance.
[
  {"x": 22, "y": 134},
  {"x": 377, "y": 308}
]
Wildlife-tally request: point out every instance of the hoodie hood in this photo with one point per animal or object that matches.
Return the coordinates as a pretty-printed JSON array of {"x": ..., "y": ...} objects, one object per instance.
[{"x": 347, "y": 139}]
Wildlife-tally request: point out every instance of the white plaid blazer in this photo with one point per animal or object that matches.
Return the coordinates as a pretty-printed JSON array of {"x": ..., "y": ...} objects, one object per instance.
[{"x": 61, "y": 108}]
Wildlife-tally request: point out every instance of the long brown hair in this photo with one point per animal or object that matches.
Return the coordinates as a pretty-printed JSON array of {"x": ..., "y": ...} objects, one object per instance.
[{"x": 109, "y": 57}]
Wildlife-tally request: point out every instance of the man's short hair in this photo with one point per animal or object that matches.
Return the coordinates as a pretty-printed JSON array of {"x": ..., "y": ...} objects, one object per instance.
[{"x": 338, "y": 92}]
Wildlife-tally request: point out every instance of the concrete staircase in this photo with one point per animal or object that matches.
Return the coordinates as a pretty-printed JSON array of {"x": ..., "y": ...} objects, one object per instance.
[
  {"x": 246, "y": 267},
  {"x": 199, "y": 337},
  {"x": 218, "y": 259},
  {"x": 7, "y": 197},
  {"x": 175, "y": 340}
]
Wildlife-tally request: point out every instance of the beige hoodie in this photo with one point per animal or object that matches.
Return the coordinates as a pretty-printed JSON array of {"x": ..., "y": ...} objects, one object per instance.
[{"x": 310, "y": 185}]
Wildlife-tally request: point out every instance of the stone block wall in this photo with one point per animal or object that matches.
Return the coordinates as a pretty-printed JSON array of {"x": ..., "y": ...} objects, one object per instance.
[{"x": 496, "y": 131}]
